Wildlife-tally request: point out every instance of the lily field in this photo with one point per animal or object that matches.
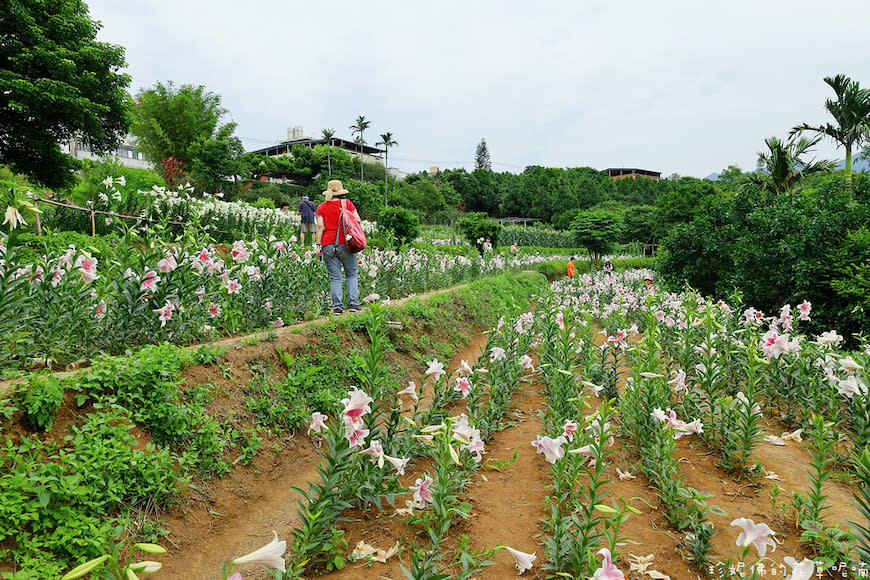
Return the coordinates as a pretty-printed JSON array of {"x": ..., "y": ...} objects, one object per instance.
[{"x": 179, "y": 407}]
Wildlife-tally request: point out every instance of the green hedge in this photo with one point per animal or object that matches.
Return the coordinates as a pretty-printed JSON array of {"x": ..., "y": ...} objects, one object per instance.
[{"x": 557, "y": 268}]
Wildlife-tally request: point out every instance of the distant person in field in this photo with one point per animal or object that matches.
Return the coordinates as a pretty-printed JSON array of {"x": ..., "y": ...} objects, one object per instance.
[
  {"x": 571, "y": 267},
  {"x": 608, "y": 267},
  {"x": 284, "y": 206},
  {"x": 306, "y": 210},
  {"x": 334, "y": 251},
  {"x": 514, "y": 248},
  {"x": 487, "y": 245},
  {"x": 648, "y": 280}
]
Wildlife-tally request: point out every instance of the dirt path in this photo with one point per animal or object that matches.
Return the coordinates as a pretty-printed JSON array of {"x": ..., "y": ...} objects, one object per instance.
[{"x": 237, "y": 514}]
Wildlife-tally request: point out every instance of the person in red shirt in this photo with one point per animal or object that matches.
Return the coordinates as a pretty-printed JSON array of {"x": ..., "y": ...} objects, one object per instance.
[
  {"x": 332, "y": 249},
  {"x": 571, "y": 267}
]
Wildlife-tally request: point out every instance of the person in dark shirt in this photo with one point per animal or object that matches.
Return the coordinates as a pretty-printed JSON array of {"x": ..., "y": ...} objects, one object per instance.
[{"x": 306, "y": 210}]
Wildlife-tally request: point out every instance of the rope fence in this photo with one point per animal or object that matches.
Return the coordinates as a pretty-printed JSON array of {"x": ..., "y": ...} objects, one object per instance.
[{"x": 94, "y": 213}]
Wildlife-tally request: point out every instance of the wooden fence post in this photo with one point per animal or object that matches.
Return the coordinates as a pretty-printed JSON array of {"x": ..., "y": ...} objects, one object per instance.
[
  {"x": 36, "y": 215},
  {"x": 93, "y": 220}
]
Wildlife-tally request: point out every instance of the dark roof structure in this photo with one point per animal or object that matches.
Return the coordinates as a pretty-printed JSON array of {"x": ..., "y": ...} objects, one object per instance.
[
  {"x": 620, "y": 172},
  {"x": 283, "y": 148}
]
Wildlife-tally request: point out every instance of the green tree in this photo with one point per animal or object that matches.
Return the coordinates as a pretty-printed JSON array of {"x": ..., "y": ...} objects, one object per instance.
[
  {"x": 404, "y": 225},
  {"x": 328, "y": 134},
  {"x": 731, "y": 176},
  {"x": 781, "y": 168},
  {"x": 481, "y": 156},
  {"x": 358, "y": 128},
  {"x": 387, "y": 141},
  {"x": 57, "y": 83},
  {"x": 640, "y": 224},
  {"x": 597, "y": 231},
  {"x": 168, "y": 121},
  {"x": 477, "y": 226},
  {"x": 214, "y": 162},
  {"x": 851, "y": 111}
]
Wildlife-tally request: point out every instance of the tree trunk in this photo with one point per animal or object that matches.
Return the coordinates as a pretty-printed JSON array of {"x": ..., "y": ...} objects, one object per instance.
[
  {"x": 386, "y": 165},
  {"x": 848, "y": 170}
]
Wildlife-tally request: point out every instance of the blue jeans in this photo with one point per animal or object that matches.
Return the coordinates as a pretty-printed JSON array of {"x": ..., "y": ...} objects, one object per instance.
[{"x": 335, "y": 257}]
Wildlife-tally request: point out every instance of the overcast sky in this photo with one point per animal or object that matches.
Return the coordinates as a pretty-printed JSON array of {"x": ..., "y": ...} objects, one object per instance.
[{"x": 671, "y": 86}]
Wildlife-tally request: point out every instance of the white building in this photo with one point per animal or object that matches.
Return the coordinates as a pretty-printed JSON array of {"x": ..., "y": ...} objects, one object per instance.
[{"x": 126, "y": 154}]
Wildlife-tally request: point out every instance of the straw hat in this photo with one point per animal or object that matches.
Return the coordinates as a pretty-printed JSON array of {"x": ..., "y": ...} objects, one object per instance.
[{"x": 334, "y": 188}]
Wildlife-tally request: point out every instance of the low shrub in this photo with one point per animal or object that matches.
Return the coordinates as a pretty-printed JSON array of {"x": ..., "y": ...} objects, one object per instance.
[{"x": 42, "y": 397}]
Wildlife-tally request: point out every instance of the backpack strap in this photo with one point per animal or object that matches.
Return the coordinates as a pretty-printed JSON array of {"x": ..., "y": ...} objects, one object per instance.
[{"x": 338, "y": 235}]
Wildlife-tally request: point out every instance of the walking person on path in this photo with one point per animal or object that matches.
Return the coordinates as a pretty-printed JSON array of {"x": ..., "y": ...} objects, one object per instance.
[
  {"x": 333, "y": 250},
  {"x": 306, "y": 211}
]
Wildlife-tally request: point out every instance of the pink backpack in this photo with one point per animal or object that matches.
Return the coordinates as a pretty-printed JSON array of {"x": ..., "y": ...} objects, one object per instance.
[{"x": 350, "y": 232}]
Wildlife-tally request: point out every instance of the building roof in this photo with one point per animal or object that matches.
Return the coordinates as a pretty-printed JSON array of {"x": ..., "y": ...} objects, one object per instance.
[
  {"x": 285, "y": 146},
  {"x": 617, "y": 171}
]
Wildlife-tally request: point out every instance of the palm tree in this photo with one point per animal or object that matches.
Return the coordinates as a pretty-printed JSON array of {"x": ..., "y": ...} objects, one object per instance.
[
  {"x": 781, "y": 168},
  {"x": 327, "y": 134},
  {"x": 387, "y": 142},
  {"x": 357, "y": 128},
  {"x": 851, "y": 111}
]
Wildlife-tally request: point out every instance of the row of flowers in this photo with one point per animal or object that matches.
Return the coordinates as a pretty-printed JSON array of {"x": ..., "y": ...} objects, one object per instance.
[
  {"x": 66, "y": 306},
  {"x": 703, "y": 368}
]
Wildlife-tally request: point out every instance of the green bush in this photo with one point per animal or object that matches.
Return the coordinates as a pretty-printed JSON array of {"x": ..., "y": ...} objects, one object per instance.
[
  {"x": 42, "y": 397},
  {"x": 536, "y": 236},
  {"x": 558, "y": 268},
  {"x": 779, "y": 250},
  {"x": 32, "y": 247},
  {"x": 476, "y": 226},
  {"x": 402, "y": 223},
  {"x": 264, "y": 203},
  {"x": 95, "y": 172},
  {"x": 448, "y": 249},
  {"x": 277, "y": 192}
]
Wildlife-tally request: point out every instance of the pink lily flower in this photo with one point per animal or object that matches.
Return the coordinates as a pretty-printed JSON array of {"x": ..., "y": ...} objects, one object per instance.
[
  {"x": 752, "y": 534},
  {"x": 678, "y": 383},
  {"x": 551, "y": 448},
  {"x": 436, "y": 369},
  {"x": 399, "y": 463},
  {"x": 463, "y": 385},
  {"x": 804, "y": 308},
  {"x": 357, "y": 404},
  {"x": 410, "y": 390},
  {"x": 165, "y": 312},
  {"x": 422, "y": 494},
  {"x": 608, "y": 570},
  {"x": 375, "y": 451},
  {"x": 149, "y": 280},
  {"x": 167, "y": 264},
  {"x": 850, "y": 386},
  {"x": 318, "y": 422},
  {"x": 497, "y": 353}
]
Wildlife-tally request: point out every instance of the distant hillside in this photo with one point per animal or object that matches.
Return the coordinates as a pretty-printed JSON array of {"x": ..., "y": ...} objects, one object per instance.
[{"x": 858, "y": 165}]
